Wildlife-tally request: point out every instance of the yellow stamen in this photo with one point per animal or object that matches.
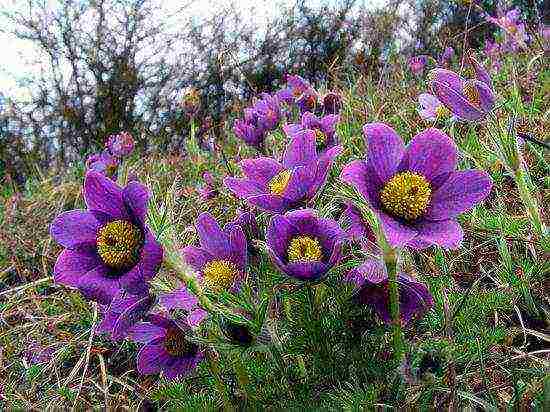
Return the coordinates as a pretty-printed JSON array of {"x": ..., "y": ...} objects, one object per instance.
[
  {"x": 320, "y": 137},
  {"x": 278, "y": 184},
  {"x": 119, "y": 244},
  {"x": 219, "y": 274},
  {"x": 406, "y": 195},
  {"x": 442, "y": 112},
  {"x": 304, "y": 249}
]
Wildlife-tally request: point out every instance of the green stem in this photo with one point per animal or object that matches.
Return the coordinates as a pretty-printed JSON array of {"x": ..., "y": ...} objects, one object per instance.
[
  {"x": 390, "y": 260},
  {"x": 218, "y": 381},
  {"x": 529, "y": 201}
]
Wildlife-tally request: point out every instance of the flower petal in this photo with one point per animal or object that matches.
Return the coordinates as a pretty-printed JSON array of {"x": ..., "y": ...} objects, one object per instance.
[
  {"x": 430, "y": 153},
  {"x": 98, "y": 285},
  {"x": 385, "y": 149},
  {"x": 103, "y": 195},
  {"x": 75, "y": 227},
  {"x": 301, "y": 181},
  {"x": 460, "y": 192},
  {"x": 196, "y": 316},
  {"x": 244, "y": 188},
  {"x": 212, "y": 238},
  {"x": 456, "y": 102},
  {"x": 152, "y": 358},
  {"x": 145, "y": 332},
  {"x": 364, "y": 179},
  {"x": 397, "y": 233},
  {"x": 238, "y": 245},
  {"x": 136, "y": 197},
  {"x": 278, "y": 235},
  {"x": 444, "y": 233},
  {"x": 72, "y": 265},
  {"x": 196, "y": 257},
  {"x": 179, "y": 299},
  {"x": 306, "y": 270},
  {"x": 301, "y": 150},
  {"x": 269, "y": 203},
  {"x": 261, "y": 170}
]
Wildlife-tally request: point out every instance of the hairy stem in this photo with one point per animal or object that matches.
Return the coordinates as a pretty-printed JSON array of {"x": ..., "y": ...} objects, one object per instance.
[{"x": 390, "y": 260}]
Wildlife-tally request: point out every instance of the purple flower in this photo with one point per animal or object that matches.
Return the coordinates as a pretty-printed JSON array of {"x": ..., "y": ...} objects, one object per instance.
[
  {"x": 308, "y": 101},
  {"x": 222, "y": 258},
  {"x": 470, "y": 100},
  {"x": 545, "y": 34},
  {"x": 208, "y": 190},
  {"x": 431, "y": 108},
  {"x": 304, "y": 246},
  {"x": 295, "y": 87},
  {"x": 121, "y": 144},
  {"x": 167, "y": 348},
  {"x": 332, "y": 103},
  {"x": 415, "y": 191},
  {"x": 371, "y": 281},
  {"x": 247, "y": 222},
  {"x": 249, "y": 130},
  {"x": 418, "y": 63},
  {"x": 182, "y": 299},
  {"x": 268, "y": 110},
  {"x": 515, "y": 35},
  {"x": 277, "y": 187},
  {"x": 446, "y": 56},
  {"x": 123, "y": 312},
  {"x": 324, "y": 128},
  {"x": 103, "y": 163},
  {"x": 108, "y": 247}
]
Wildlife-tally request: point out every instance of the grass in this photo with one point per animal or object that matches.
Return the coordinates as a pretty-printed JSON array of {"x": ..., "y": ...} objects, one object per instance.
[{"x": 484, "y": 345}]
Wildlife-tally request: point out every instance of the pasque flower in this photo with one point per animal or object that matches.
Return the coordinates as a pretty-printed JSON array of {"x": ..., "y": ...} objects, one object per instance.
[
  {"x": 324, "y": 128},
  {"x": 108, "y": 246},
  {"x": 371, "y": 288},
  {"x": 332, "y": 103},
  {"x": 418, "y": 63},
  {"x": 469, "y": 100},
  {"x": 431, "y": 108},
  {"x": 415, "y": 191},
  {"x": 221, "y": 260},
  {"x": 262, "y": 117},
  {"x": 295, "y": 87},
  {"x": 279, "y": 186},
  {"x": 184, "y": 300},
  {"x": 123, "y": 312},
  {"x": 103, "y": 163},
  {"x": 167, "y": 347},
  {"x": 304, "y": 246},
  {"x": 446, "y": 56},
  {"x": 359, "y": 229},
  {"x": 515, "y": 35},
  {"x": 121, "y": 144}
]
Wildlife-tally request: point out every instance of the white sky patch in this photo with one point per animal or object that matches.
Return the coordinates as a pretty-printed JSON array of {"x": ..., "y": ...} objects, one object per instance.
[{"x": 20, "y": 59}]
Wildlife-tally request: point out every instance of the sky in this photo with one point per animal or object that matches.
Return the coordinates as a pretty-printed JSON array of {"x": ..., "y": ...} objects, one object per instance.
[{"x": 19, "y": 57}]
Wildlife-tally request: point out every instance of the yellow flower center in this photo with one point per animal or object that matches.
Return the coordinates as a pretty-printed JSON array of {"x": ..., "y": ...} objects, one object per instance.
[
  {"x": 304, "y": 249},
  {"x": 472, "y": 94},
  {"x": 442, "y": 112},
  {"x": 176, "y": 344},
  {"x": 320, "y": 137},
  {"x": 119, "y": 244},
  {"x": 219, "y": 274},
  {"x": 406, "y": 195},
  {"x": 278, "y": 184}
]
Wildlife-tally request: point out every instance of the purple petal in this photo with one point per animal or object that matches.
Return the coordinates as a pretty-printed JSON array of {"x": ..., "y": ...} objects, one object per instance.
[
  {"x": 461, "y": 191},
  {"x": 301, "y": 180},
  {"x": 212, "y": 237},
  {"x": 136, "y": 307},
  {"x": 145, "y": 332},
  {"x": 98, "y": 285},
  {"x": 244, "y": 188},
  {"x": 261, "y": 170},
  {"x": 444, "y": 233},
  {"x": 151, "y": 255},
  {"x": 480, "y": 71},
  {"x": 364, "y": 179},
  {"x": 305, "y": 270},
  {"x": 323, "y": 167},
  {"x": 385, "y": 149},
  {"x": 397, "y": 233},
  {"x": 430, "y": 153},
  {"x": 269, "y": 203},
  {"x": 447, "y": 78},
  {"x": 278, "y": 235},
  {"x": 103, "y": 195},
  {"x": 414, "y": 298},
  {"x": 237, "y": 241},
  {"x": 196, "y": 257},
  {"x": 151, "y": 359},
  {"x": 301, "y": 150},
  {"x": 456, "y": 102},
  {"x": 136, "y": 197},
  {"x": 195, "y": 317},
  {"x": 429, "y": 101},
  {"x": 72, "y": 265},
  {"x": 76, "y": 227},
  {"x": 372, "y": 271},
  {"x": 179, "y": 299}
]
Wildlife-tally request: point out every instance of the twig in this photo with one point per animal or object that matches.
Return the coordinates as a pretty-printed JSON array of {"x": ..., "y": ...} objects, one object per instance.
[
  {"x": 87, "y": 361},
  {"x": 26, "y": 286}
]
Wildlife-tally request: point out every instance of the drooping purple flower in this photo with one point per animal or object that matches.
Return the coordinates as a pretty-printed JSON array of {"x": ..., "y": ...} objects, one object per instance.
[
  {"x": 249, "y": 130},
  {"x": 295, "y": 87},
  {"x": 279, "y": 186},
  {"x": 122, "y": 313},
  {"x": 324, "y": 128},
  {"x": 470, "y": 100},
  {"x": 208, "y": 190},
  {"x": 304, "y": 246},
  {"x": 108, "y": 247},
  {"x": 446, "y": 56},
  {"x": 221, "y": 260},
  {"x": 308, "y": 101},
  {"x": 431, "y": 108},
  {"x": 415, "y": 191},
  {"x": 371, "y": 282},
  {"x": 332, "y": 103},
  {"x": 418, "y": 63},
  {"x": 103, "y": 163},
  {"x": 248, "y": 223},
  {"x": 167, "y": 348},
  {"x": 121, "y": 144},
  {"x": 182, "y": 299}
]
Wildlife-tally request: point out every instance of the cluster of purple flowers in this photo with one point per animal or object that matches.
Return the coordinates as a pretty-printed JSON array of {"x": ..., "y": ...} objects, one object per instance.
[
  {"x": 513, "y": 30},
  {"x": 117, "y": 147},
  {"x": 110, "y": 255}
]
